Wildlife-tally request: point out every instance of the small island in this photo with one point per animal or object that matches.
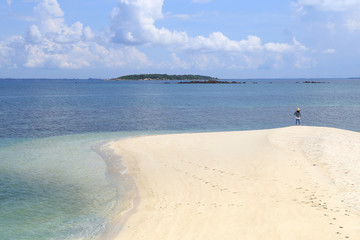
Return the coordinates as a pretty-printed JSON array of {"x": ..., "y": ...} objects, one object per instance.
[{"x": 145, "y": 77}]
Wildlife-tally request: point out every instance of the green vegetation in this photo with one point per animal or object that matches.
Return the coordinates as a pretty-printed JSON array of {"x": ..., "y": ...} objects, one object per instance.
[{"x": 163, "y": 77}]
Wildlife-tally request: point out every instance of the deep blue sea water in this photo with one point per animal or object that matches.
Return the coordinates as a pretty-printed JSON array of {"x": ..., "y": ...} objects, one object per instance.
[{"x": 54, "y": 185}]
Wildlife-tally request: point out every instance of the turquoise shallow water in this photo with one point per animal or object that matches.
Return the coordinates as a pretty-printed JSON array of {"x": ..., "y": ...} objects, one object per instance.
[
  {"x": 53, "y": 183},
  {"x": 58, "y": 188}
]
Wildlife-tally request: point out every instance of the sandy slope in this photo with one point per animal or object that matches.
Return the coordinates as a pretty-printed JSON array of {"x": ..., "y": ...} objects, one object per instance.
[{"x": 288, "y": 183}]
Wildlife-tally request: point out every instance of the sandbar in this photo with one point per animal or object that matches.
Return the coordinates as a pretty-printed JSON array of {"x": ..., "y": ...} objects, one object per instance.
[{"x": 288, "y": 183}]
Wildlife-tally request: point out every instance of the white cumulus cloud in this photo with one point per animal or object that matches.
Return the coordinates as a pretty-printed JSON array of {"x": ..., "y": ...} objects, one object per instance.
[
  {"x": 51, "y": 43},
  {"x": 133, "y": 22}
]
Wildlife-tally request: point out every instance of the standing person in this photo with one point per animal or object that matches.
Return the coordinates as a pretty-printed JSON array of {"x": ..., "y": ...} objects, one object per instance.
[{"x": 297, "y": 115}]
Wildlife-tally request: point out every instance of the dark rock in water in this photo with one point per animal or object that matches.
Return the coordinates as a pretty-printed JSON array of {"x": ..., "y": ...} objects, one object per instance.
[
  {"x": 210, "y": 81},
  {"x": 313, "y": 82}
]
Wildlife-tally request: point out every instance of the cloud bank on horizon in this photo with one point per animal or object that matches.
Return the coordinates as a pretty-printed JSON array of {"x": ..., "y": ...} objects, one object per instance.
[{"x": 138, "y": 39}]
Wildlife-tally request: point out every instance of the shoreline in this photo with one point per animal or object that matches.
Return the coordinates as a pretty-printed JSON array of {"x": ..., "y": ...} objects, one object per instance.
[
  {"x": 178, "y": 188},
  {"x": 125, "y": 185}
]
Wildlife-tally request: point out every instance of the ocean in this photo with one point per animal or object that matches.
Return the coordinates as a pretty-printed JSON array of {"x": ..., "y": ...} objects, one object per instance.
[{"x": 55, "y": 183}]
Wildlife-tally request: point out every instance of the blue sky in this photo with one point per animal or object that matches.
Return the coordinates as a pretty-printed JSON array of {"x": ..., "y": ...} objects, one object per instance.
[{"x": 225, "y": 39}]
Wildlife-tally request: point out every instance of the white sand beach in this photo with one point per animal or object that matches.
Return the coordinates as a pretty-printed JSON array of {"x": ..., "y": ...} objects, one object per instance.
[{"x": 288, "y": 183}]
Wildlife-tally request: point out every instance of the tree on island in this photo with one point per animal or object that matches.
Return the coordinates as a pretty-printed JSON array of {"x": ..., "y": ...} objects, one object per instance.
[{"x": 163, "y": 77}]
